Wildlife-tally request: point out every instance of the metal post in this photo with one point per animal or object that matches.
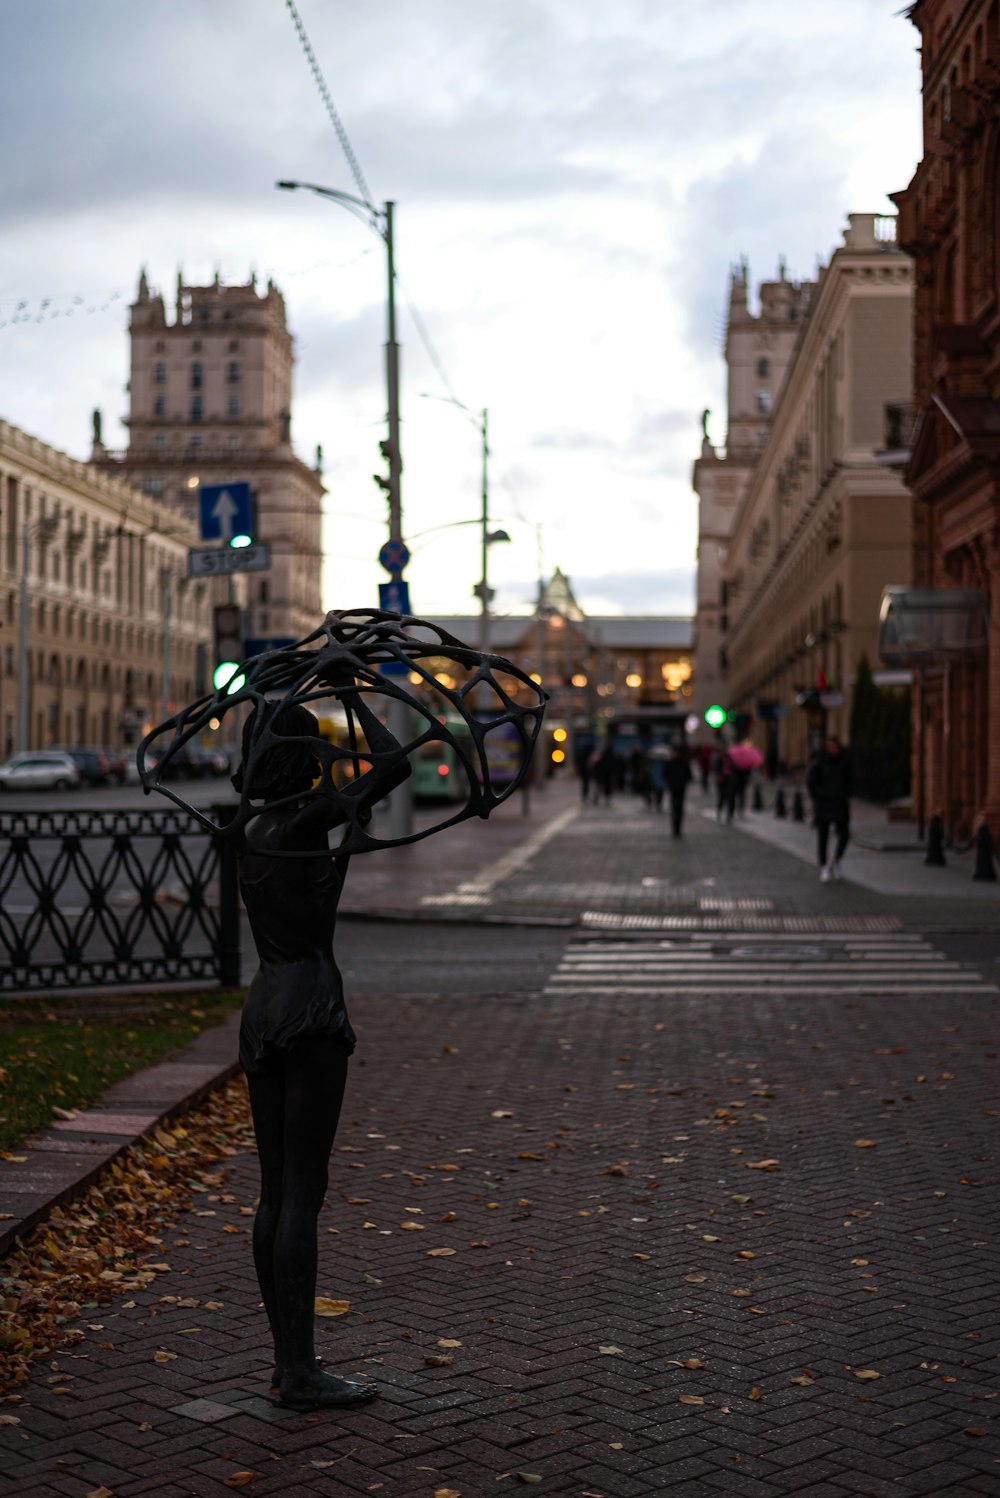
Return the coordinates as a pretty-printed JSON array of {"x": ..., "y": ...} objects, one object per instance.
[
  {"x": 228, "y": 951},
  {"x": 392, "y": 389},
  {"x": 400, "y": 805},
  {"x": 23, "y": 732},
  {"x": 484, "y": 599}
]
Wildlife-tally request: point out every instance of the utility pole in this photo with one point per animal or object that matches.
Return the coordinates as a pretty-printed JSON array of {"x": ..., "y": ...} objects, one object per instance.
[{"x": 484, "y": 610}]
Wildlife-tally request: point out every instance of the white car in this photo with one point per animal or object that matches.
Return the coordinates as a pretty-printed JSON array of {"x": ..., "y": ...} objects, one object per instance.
[{"x": 39, "y": 770}]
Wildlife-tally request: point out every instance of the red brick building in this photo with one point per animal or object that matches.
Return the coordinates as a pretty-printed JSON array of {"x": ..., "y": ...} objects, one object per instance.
[{"x": 949, "y": 222}]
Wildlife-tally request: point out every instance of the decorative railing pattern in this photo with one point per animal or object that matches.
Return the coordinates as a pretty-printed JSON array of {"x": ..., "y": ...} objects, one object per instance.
[{"x": 107, "y": 898}]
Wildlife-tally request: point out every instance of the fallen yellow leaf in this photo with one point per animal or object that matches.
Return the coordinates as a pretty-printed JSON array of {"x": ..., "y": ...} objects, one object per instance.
[
  {"x": 756, "y": 1392},
  {"x": 866, "y": 1373},
  {"x": 761, "y": 1164},
  {"x": 690, "y": 1399},
  {"x": 448, "y": 1342},
  {"x": 412, "y": 1227},
  {"x": 447, "y": 1493},
  {"x": 238, "y": 1479},
  {"x": 865, "y": 1144},
  {"x": 162, "y": 1356},
  {"x": 323, "y": 1306},
  {"x": 441, "y": 1253}
]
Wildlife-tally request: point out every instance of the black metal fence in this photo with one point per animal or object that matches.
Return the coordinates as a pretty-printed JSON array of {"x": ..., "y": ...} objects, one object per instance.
[{"x": 110, "y": 898}]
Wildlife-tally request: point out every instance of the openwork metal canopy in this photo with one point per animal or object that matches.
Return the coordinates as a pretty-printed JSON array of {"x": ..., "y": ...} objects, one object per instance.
[{"x": 368, "y": 658}]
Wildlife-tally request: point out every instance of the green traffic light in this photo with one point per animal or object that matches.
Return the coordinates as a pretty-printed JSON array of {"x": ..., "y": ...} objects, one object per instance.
[
  {"x": 715, "y": 716},
  {"x": 227, "y": 674},
  {"x": 240, "y": 541}
]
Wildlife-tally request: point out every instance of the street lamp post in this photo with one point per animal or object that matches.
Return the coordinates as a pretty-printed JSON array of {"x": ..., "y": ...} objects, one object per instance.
[{"x": 400, "y": 805}]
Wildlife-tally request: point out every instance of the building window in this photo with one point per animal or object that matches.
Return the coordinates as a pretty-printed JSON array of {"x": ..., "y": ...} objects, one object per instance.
[
  {"x": 159, "y": 346},
  {"x": 233, "y": 372},
  {"x": 160, "y": 406},
  {"x": 196, "y": 375},
  {"x": 232, "y": 441},
  {"x": 159, "y": 441},
  {"x": 153, "y": 484},
  {"x": 195, "y": 441},
  {"x": 763, "y": 369},
  {"x": 234, "y": 344},
  {"x": 196, "y": 408},
  {"x": 763, "y": 399},
  {"x": 159, "y": 374},
  {"x": 233, "y": 405},
  {"x": 761, "y": 439}
]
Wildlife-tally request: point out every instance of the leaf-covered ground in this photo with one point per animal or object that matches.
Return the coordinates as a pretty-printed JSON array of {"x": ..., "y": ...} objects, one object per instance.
[{"x": 97, "y": 1249}]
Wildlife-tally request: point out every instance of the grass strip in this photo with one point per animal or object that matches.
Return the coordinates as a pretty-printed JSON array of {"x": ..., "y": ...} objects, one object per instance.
[{"x": 64, "y": 1051}]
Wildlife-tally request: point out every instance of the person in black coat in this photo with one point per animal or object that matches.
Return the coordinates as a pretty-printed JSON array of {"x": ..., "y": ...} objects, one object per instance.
[
  {"x": 677, "y": 775},
  {"x": 829, "y": 784}
]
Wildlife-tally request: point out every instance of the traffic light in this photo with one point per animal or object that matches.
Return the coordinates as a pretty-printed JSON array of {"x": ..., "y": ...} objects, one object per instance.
[
  {"x": 385, "y": 484},
  {"x": 715, "y": 715},
  {"x": 227, "y": 627}
]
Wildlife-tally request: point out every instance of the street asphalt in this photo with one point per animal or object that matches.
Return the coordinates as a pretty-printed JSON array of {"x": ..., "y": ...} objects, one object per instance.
[{"x": 702, "y": 1159}]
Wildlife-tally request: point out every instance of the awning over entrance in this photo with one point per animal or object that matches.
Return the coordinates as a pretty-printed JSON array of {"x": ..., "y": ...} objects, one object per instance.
[{"x": 925, "y": 624}]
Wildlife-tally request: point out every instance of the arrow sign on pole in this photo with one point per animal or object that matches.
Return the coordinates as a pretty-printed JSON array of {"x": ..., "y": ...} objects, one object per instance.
[
  {"x": 225, "y": 511},
  {"x": 222, "y": 513}
]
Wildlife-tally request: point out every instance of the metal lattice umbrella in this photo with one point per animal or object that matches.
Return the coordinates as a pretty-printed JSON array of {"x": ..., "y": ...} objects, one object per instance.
[{"x": 361, "y": 660}]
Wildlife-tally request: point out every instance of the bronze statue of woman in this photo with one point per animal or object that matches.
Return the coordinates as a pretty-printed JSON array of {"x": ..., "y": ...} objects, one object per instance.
[
  {"x": 295, "y": 789},
  {"x": 295, "y": 1036}
]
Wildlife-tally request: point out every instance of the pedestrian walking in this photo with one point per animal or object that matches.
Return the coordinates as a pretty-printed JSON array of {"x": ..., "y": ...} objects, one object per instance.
[
  {"x": 722, "y": 769},
  {"x": 828, "y": 781},
  {"x": 677, "y": 774}
]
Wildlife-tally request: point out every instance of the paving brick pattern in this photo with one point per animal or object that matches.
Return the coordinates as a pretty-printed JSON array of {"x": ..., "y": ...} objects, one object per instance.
[
  {"x": 681, "y": 1226},
  {"x": 612, "y": 1225}
]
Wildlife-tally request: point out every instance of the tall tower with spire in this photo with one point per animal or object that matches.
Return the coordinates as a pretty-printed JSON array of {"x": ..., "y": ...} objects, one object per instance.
[
  {"x": 758, "y": 350},
  {"x": 210, "y": 400}
]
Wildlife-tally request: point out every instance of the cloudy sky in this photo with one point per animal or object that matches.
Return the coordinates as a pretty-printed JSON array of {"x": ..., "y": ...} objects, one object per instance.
[{"x": 573, "y": 179}]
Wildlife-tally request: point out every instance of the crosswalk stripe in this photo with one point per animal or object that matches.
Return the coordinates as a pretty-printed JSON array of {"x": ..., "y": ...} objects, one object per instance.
[{"x": 745, "y": 964}]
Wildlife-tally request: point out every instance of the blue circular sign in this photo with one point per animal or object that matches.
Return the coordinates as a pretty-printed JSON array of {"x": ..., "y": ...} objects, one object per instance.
[{"x": 394, "y": 556}]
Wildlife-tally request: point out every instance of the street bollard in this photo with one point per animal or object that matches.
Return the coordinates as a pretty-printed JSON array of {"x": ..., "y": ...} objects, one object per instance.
[
  {"x": 780, "y": 809},
  {"x": 798, "y": 808},
  {"x": 758, "y": 799},
  {"x": 935, "y": 843},
  {"x": 985, "y": 867}
]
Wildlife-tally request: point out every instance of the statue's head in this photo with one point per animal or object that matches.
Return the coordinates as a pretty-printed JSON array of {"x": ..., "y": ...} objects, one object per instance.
[{"x": 281, "y": 769}]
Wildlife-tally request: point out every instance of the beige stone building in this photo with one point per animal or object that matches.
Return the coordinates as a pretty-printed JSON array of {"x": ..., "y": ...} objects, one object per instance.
[
  {"x": 758, "y": 348},
  {"x": 210, "y": 399},
  {"x": 823, "y": 527},
  {"x": 100, "y": 624}
]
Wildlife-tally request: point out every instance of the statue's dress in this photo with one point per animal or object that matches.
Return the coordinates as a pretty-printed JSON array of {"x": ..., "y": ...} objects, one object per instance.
[{"x": 297, "y": 992}]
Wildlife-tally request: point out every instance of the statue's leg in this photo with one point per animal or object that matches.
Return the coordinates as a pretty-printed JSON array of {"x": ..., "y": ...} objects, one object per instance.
[
  {"x": 267, "y": 1103},
  {"x": 315, "y": 1074}
]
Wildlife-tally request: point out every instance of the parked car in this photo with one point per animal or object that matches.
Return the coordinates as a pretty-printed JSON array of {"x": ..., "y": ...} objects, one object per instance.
[
  {"x": 93, "y": 764},
  {"x": 118, "y": 763},
  {"x": 197, "y": 762},
  {"x": 39, "y": 770}
]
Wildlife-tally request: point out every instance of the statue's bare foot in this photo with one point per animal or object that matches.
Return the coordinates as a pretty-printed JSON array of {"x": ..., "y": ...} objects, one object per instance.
[
  {"x": 279, "y": 1374},
  {"x": 322, "y": 1391}
]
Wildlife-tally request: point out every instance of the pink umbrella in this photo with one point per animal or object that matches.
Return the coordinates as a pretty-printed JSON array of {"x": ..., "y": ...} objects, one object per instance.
[{"x": 745, "y": 756}]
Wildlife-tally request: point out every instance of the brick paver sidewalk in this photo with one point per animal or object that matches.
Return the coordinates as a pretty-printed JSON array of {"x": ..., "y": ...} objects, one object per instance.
[{"x": 737, "y": 1244}]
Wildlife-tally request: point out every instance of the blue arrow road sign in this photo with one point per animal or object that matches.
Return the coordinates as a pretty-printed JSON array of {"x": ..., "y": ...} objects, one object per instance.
[{"x": 225, "y": 511}]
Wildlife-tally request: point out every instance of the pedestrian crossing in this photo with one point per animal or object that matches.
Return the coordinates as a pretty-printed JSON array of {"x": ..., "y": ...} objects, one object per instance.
[{"x": 772, "y": 963}]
